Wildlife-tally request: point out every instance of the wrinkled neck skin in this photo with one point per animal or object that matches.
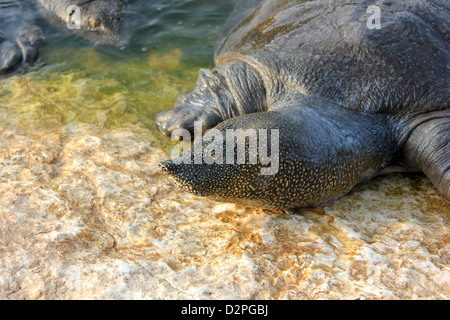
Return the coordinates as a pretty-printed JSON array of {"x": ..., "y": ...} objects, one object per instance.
[
  {"x": 225, "y": 92},
  {"x": 231, "y": 90},
  {"x": 246, "y": 90}
]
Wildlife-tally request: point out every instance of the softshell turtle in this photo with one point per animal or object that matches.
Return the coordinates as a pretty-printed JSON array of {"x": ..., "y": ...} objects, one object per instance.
[
  {"x": 350, "y": 101},
  {"x": 20, "y": 39}
]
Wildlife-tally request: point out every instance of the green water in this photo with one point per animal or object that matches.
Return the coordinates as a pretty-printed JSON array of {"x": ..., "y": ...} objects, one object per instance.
[{"x": 74, "y": 80}]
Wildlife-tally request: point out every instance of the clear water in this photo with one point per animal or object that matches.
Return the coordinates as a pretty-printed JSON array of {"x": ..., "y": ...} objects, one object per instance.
[{"x": 74, "y": 80}]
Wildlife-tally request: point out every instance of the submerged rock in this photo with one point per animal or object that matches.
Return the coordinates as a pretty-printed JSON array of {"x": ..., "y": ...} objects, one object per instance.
[{"x": 84, "y": 214}]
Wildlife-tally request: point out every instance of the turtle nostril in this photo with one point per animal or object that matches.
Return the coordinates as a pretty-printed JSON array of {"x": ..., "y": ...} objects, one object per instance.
[{"x": 163, "y": 168}]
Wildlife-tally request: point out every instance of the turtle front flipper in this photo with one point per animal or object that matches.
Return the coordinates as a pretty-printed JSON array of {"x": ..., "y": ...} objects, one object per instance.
[
  {"x": 428, "y": 148},
  {"x": 20, "y": 39},
  {"x": 222, "y": 93}
]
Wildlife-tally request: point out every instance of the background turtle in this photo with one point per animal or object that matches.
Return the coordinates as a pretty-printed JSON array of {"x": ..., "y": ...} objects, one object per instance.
[
  {"x": 350, "y": 102},
  {"x": 20, "y": 38}
]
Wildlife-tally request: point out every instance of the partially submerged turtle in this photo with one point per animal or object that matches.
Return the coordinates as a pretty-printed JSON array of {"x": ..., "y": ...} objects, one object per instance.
[
  {"x": 20, "y": 39},
  {"x": 350, "y": 102}
]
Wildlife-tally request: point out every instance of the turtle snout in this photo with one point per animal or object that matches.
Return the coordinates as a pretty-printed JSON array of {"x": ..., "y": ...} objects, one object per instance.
[
  {"x": 169, "y": 167},
  {"x": 183, "y": 176}
]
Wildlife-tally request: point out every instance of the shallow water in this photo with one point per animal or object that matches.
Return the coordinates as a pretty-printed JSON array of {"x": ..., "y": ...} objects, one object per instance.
[{"x": 74, "y": 80}]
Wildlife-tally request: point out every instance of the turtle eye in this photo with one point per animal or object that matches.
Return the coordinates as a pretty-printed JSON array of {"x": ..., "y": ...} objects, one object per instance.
[{"x": 94, "y": 23}]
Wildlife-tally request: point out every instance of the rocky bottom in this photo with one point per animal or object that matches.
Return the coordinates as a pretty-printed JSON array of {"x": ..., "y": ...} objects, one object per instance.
[{"x": 84, "y": 214}]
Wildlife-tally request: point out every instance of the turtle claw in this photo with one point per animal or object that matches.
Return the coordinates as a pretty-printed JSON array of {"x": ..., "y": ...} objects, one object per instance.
[
  {"x": 10, "y": 56},
  {"x": 16, "y": 54},
  {"x": 184, "y": 117},
  {"x": 168, "y": 121}
]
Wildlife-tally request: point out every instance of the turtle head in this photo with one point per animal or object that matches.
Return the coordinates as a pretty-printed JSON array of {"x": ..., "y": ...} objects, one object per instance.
[
  {"x": 233, "y": 162},
  {"x": 98, "y": 21},
  {"x": 242, "y": 184},
  {"x": 210, "y": 180},
  {"x": 295, "y": 157}
]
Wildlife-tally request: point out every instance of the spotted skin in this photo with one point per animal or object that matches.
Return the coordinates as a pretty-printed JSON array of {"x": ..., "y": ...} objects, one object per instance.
[{"x": 309, "y": 173}]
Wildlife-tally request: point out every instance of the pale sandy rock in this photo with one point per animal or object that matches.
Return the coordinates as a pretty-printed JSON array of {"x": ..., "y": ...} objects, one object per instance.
[{"x": 84, "y": 214}]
